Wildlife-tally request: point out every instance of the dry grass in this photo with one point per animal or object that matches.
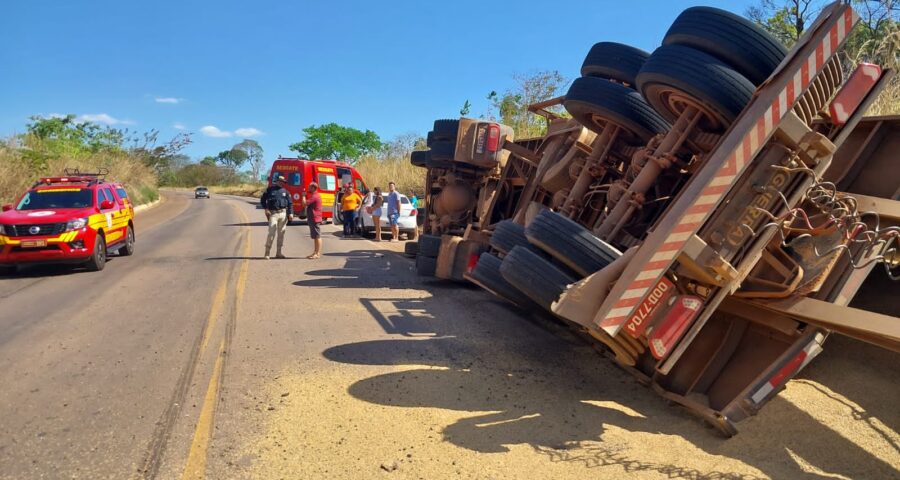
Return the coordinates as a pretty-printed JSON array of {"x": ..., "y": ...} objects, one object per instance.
[
  {"x": 243, "y": 190},
  {"x": 19, "y": 170},
  {"x": 377, "y": 173}
]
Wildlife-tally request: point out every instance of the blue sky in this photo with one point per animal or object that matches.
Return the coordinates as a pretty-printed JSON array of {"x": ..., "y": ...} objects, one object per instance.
[{"x": 267, "y": 69}]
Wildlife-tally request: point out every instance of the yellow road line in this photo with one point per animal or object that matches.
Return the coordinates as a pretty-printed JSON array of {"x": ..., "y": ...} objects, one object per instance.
[
  {"x": 195, "y": 468},
  {"x": 196, "y": 462},
  {"x": 218, "y": 300}
]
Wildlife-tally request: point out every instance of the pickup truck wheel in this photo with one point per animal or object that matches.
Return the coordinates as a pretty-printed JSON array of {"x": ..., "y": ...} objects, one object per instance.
[
  {"x": 443, "y": 150},
  {"x": 429, "y": 245},
  {"x": 98, "y": 258},
  {"x": 594, "y": 102},
  {"x": 570, "y": 243},
  {"x": 534, "y": 276},
  {"x": 429, "y": 139},
  {"x": 127, "y": 250},
  {"x": 411, "y": 249},
  {"x": 445, "y": 130},
  {"x": 8, "y": 270},
  {"x": 425, "y": 266},
  {"x": 420, "y": 158},
  {"x": 614, "y": 61},
  {"x": 733, "y": 39},
  {"x": 676, "y": 76},
  {"x": 507, "y": 235},
  {"x": 486, "y": 274}
]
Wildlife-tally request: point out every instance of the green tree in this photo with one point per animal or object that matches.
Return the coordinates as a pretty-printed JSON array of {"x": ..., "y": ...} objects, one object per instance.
[
  {"x": 333, "y": 141},
  {"x": 254, "y": 155},
  {"x": 511, "y": 108},
  {"x": 232, "y": 159},
  {"x": 208, "y": 160},
  {"x": 785, "y": 19}
]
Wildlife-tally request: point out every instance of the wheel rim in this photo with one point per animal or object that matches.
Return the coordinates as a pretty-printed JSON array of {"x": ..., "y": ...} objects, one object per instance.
[{"x": 676, "y": 102}]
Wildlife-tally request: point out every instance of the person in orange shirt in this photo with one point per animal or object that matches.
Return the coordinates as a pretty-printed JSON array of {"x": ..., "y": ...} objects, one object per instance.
[{"x": 349, "y": 206}]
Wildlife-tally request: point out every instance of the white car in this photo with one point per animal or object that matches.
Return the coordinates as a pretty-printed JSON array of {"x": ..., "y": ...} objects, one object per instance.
[{"x": 407, "y": 221}]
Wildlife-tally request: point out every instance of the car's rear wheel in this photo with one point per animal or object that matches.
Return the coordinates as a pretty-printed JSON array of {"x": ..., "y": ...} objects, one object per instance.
[
  {"x": 8, "y": 270},
  {"x": 128, "y": 249},
  {"x": 98, "y": 258}
]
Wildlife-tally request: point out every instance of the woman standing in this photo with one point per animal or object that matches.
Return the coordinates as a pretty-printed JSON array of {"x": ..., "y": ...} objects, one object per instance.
[{"x": 377, "y": 202}]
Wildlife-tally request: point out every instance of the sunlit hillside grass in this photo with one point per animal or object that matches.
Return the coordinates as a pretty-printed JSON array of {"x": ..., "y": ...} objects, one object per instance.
[{"x": 24, "y": 159}]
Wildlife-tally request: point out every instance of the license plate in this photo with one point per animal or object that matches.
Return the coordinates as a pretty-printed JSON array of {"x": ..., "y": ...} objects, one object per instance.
[{"x": 34, "y": 243}]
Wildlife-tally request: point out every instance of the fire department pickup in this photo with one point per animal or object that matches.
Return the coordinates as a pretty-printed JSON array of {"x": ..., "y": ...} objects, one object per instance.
[{"x": 76, "y": 219}]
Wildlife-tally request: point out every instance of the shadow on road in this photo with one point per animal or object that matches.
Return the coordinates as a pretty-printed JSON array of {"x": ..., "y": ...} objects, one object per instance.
[{"x": 546, "y": 388}]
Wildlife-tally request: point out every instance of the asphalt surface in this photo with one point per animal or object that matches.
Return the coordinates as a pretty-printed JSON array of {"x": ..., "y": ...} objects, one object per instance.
[{"x": 173, "y": 363}]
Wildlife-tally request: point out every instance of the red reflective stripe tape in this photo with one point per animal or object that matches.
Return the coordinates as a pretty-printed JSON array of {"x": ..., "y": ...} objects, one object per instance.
[
  {"x": 698, "y": 209},
  {"x": 686, "y": 227},
  {"x": 668, "y": 247},
  {"x": 628, "y": 302},
  {"x": 713, "y": 190},
  {"x": 776, "y": 110},
  {"x": 833, "y": 36},
  {"x": 788, "y": 369},
  {"x": 760, "y": 135},
  {"x": 790, "y": 94},
  {"x": 655, "y": 266},
  {"x": 820, "y": 55},
  {"x": 848, "y": 22}
]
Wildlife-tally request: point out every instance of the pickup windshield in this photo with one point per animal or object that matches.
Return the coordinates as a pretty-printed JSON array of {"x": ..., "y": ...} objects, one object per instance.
[{"x": 64, "y": 198}]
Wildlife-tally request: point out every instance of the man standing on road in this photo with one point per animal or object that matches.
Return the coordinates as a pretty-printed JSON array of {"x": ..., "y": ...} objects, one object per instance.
[
  {"x": 279, "y": 212},
  {"x": 313, "y": 204},
  {"x": 349, "y": 205},
  {"x": 393, "y": 211}
]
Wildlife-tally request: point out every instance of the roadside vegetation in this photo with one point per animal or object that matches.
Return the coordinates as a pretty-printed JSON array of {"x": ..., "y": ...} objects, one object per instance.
[
  {"x": 876, "y": 39},
  {"x": 50, "y": 145}
]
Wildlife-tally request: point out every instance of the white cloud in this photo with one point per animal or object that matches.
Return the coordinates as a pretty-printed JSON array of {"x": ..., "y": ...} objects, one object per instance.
[
  {"x": 55, "y": 115},
  {"x": 179, "y": 126},
  {"x": 248, "y": 132},
  {"x": 168, "y": 100},
  {"x": 102, "y": 118},
  {"x": 212, "y": 131}
]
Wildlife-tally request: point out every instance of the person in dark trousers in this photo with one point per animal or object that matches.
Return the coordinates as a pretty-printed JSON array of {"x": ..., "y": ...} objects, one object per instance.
[
  {"x": 279, "y": 212},
  {"x": 349, "y": 206},
  {"x": 313, "y": 204}
]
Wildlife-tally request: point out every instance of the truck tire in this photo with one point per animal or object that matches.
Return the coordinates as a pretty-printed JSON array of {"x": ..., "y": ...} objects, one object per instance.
[
  {"x": 534, "y": 276},
  {"x": 507, "y": 235},
  {"x": 570, "y": 243},
  {"x": 614, "y": 61},
  {"x": 98, "y": 258},
  {"x": 429, "y": 245},
  {"x": 593, "y": 101},
  {"x": 425, "y": 266},
  {"x": 420, "y": 158},
  {"x": 445, "y": 130},
  {"x": 487, "y": 274},
  {"x": 429, "y": 139},
  {"x": 718, "y": 89},
  {"x": 443, "y": 150},
  {"x": 411, "y": 249},
  {"x": 750, "y": 50}
]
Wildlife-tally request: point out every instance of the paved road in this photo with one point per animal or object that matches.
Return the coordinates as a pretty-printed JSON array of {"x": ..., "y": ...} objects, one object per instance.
[{"x": 197, "y": 357}]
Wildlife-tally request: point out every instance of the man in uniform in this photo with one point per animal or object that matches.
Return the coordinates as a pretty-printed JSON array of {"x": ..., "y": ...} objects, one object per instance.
[{"x": 279, "y": 212}]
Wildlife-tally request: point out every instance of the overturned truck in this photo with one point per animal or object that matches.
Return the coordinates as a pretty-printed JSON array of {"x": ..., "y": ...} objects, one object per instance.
[{"x": 707, "y": 213}]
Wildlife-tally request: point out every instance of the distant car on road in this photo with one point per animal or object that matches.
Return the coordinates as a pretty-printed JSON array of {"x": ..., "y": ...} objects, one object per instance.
[
  {"x": 407, "y": 220},
  {"x": 76, "y": 219},
  {"x": 201, "y": 192}
]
